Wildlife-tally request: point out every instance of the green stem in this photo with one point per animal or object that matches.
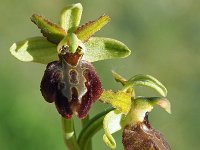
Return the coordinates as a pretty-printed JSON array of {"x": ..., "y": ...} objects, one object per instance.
[
  {"x": 92, "y": 127},
  {"x": 69, "y": 134},
  {"x": 85, "y": 120},
  {"x": 84, "y": 123}
]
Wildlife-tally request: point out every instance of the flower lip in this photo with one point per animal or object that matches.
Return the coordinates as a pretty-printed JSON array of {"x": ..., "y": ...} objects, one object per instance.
[
  {"x": 143, "y": 136},
  {"x": 73, "y": 88}
]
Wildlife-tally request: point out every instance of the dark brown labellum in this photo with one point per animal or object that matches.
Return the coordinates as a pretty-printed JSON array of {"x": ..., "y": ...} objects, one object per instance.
[
  {"x": 143, "y": 137},
  {"x": 72, "y": 84},
  {"x": 50, "y": 81}
]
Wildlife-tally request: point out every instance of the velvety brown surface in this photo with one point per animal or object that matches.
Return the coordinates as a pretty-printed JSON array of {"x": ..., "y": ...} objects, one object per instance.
[
  {"x": 94, "y": 89},
  {"x": 50, "y": 81},
  {"x": 52, "y": 88},
  {"x": 143, "y": 137}
]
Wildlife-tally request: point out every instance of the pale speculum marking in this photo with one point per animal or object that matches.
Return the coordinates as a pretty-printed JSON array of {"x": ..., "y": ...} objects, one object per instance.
[
  {"x": 71, "y": 82},
  {"x": 73, "y": 76}
]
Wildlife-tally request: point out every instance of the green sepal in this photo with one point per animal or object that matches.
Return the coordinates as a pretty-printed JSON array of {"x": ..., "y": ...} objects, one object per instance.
[
  {"x": 99, "y": 48},
  {"x": 119, "y": 100},
  {"x": 111, "y": 124},
  {"x": 53, "y": 32},
  {"x": 146, "y": 80},
  {"x": 70, "y": 17},
  {"x": 36, "y": 49},
  {"x": 85, "y": 31}
]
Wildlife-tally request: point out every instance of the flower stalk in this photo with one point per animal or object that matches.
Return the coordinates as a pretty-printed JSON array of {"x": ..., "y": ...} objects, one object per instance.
[
  {"x": 84, "y": 122},
  {"x": 69, "y": 134}
]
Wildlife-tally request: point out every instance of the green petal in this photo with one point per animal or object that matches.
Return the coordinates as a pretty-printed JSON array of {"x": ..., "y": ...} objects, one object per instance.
[
  {"x": 71, "y": 16},
  {"x": 71, "y": 41},
  {"x": 119, "y": 78},
  {"x": 85, "y": 31},
  {"x": 53, "y": 32},
  {"x": 36, "y": 49},
  {"x": 146, "y": 80},
  {"x": 142, "y": 105},
  {"x": 162, "y": 102},
  {"x": 111, "y": 124},
  {"x": 99, "y": 48},
  {"x": 119, "y": 100}
]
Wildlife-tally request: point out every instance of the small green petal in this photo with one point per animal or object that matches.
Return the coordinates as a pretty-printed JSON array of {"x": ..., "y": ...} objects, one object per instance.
[
  {"x": 85, "y": 31},
  {"x": 146, "y": 80},
  {"x": 99, "y": 48},
  {"x": 71, "y": 16},
  {"x": 119, "y": 78},
  {"x": 63, "y": 42},
  {"x": 111, "y": 124},
  {"x": 123, "y": 81},
  {"x": 36, "y": 49},
  {"x": 73, "y": 43},
  {"x": 162, "y": 102},
  {"x": 140, "y": 106},
  {"x": 53, "y": 32},
  {"x": 119, "y": 100}
]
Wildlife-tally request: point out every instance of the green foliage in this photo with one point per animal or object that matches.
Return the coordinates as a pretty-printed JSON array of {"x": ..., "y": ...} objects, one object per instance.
[{"x": 91, "y": 128}]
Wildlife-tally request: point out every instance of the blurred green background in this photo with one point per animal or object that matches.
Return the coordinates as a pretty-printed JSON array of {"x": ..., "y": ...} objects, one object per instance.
[{"x": 164, "y": 36}]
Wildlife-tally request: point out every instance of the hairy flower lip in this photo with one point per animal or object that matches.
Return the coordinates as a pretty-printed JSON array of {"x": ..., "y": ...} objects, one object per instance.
[
  {"x": 53, "y": 85},
  {"x": 50, "y": 80},
  {"x": 142, "y": 136}
]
